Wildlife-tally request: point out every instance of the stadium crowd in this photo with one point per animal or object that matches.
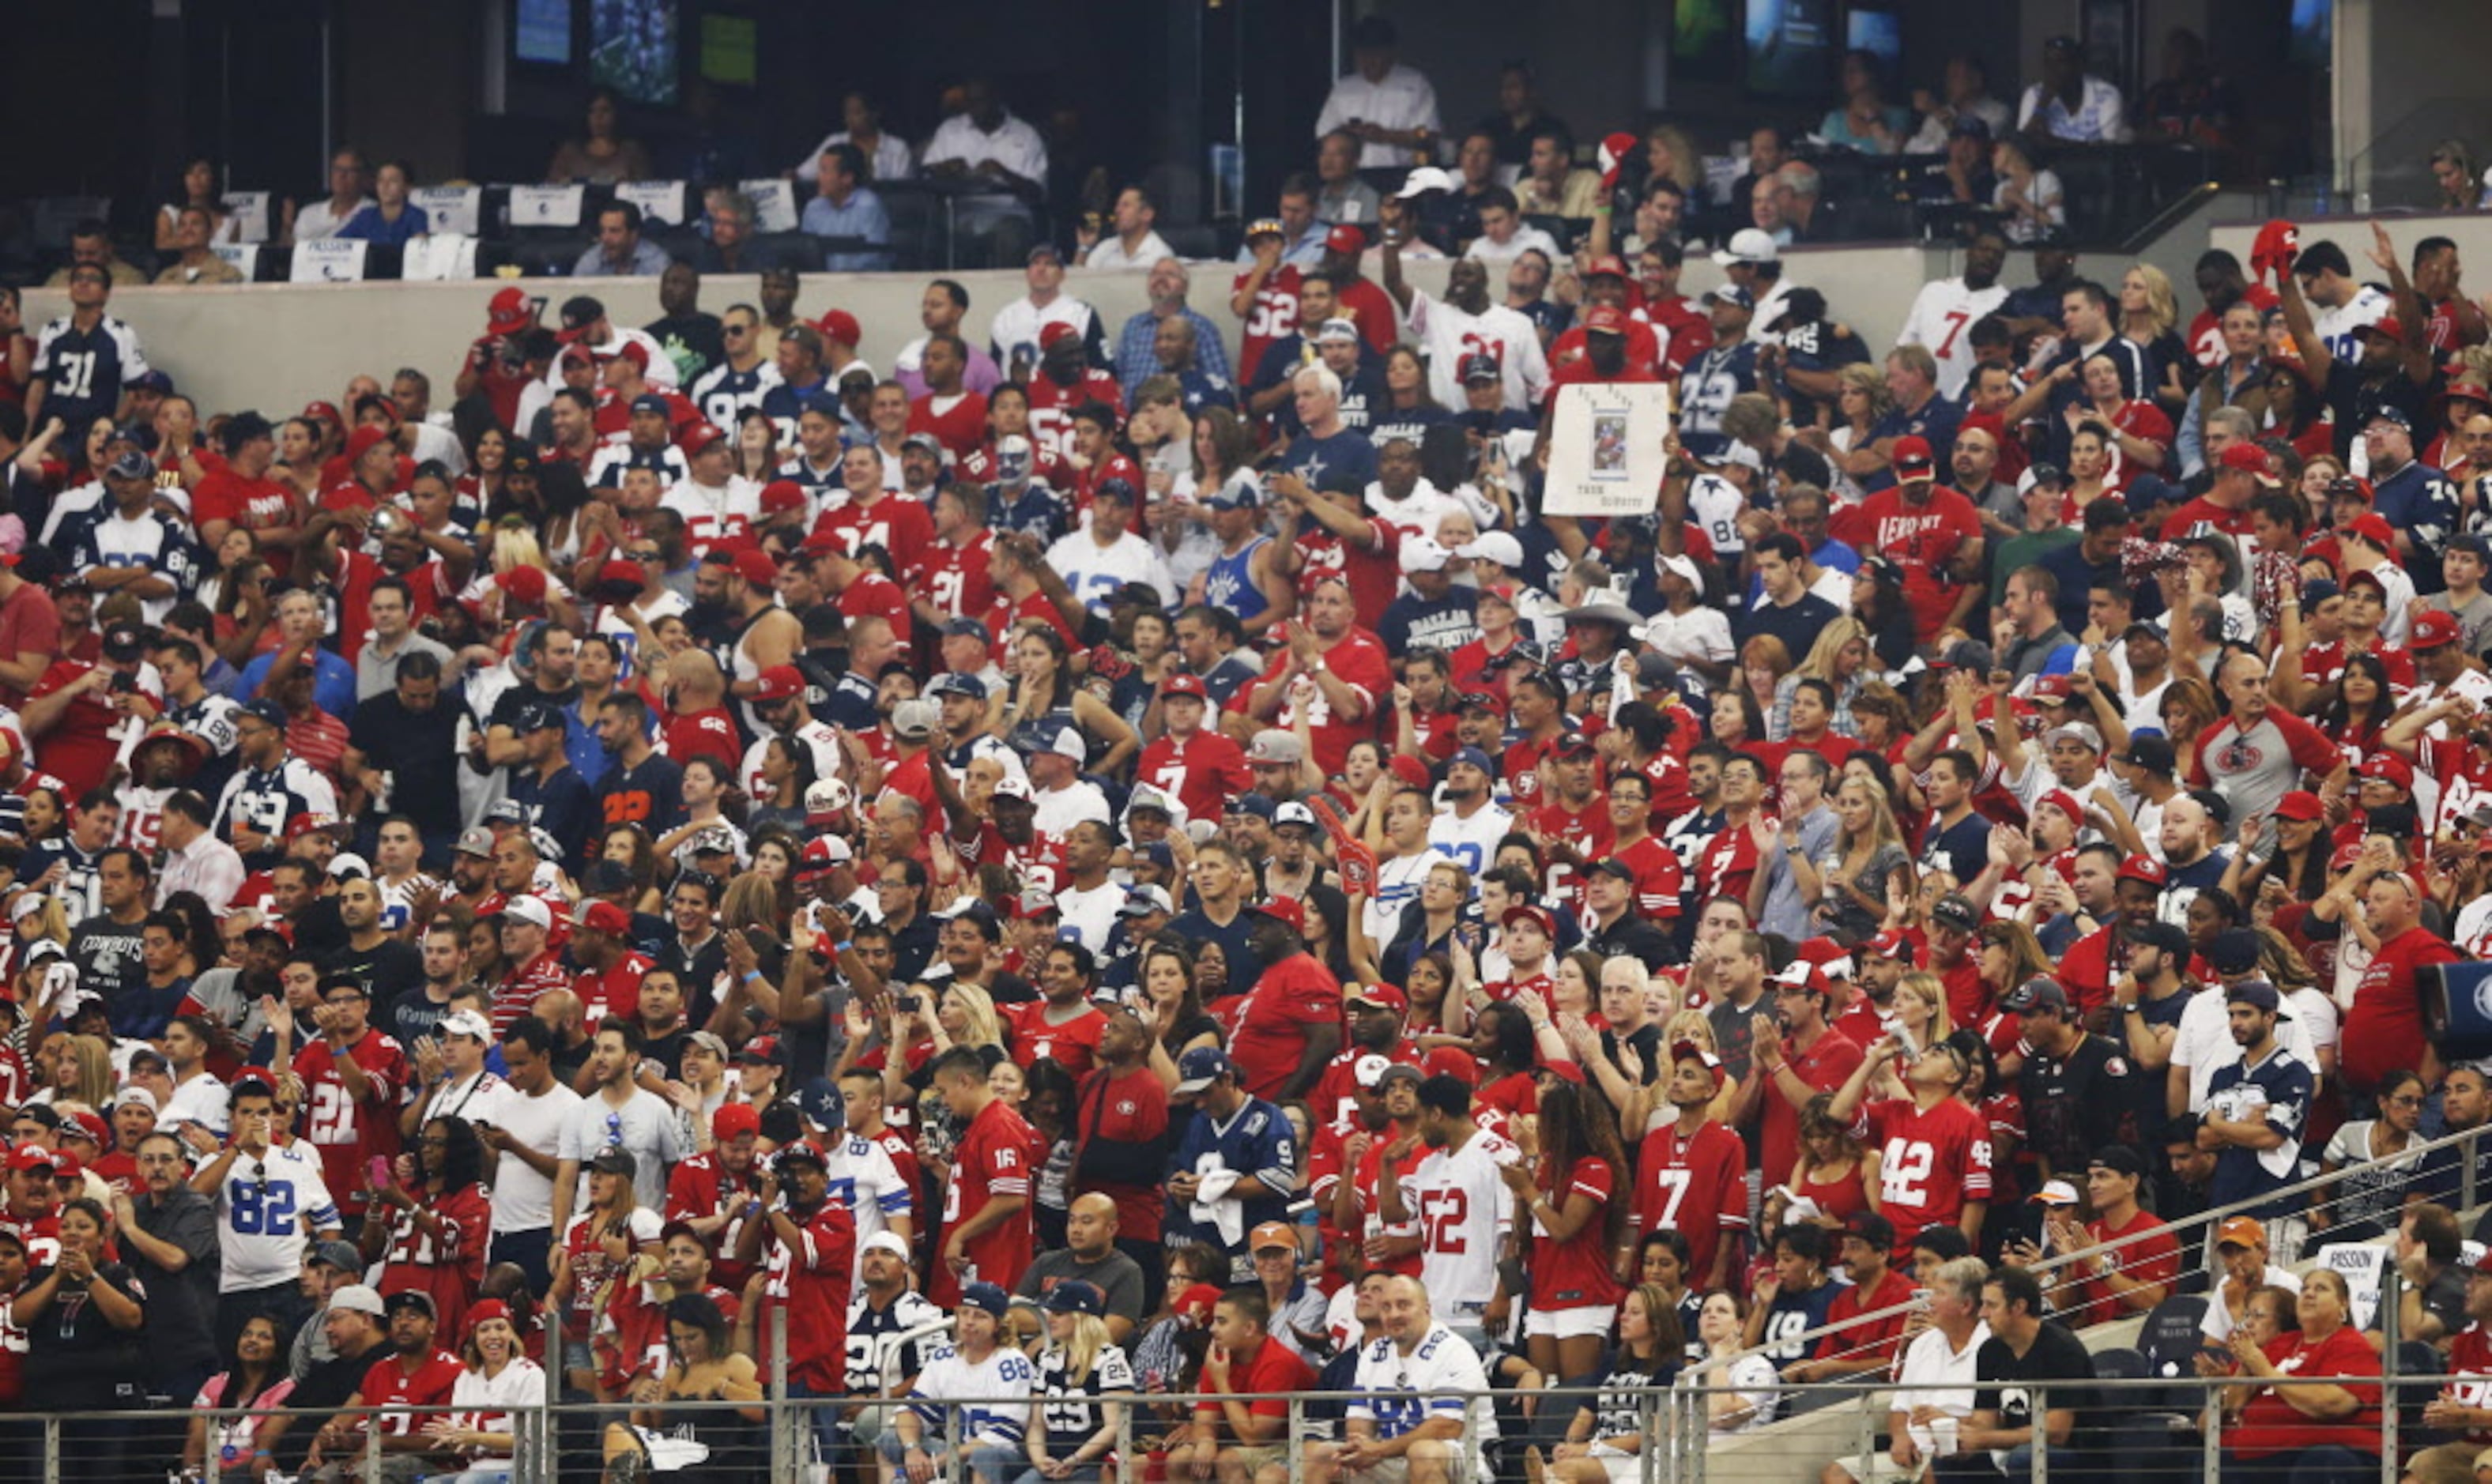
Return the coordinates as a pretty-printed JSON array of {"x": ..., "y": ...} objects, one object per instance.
[{"x": 1082, "y": 870}]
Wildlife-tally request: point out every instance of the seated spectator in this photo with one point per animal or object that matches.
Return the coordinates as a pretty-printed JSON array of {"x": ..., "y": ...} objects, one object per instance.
[
  {"x": 1748, "y": 1392},
  {"x": 1965, "y": 95},
  {"x": 1866, "y": 121},
  {"x": 255, "y": 1386},
  {"x": 1939, "y": 1370},
  {"x": 2306, "y": 1430},
  {"x": 1552, "y": 186},
  {"x": 2028, "y": 1396},
  {"x": 2380, "y": 1164},
  {"x": 604, "y": 157},
  {"x": 886, "y": 156},
  {"x": 195, "y": 261},
  {"x": 2031, "y": 197},
  {"x": 1131, "y": 244},
  {"x": 391, "y": 220},
  {"x": 621, "y": 251},
  {"x": 2070, "y": 103},
  {"x": 844, "y": 206}
]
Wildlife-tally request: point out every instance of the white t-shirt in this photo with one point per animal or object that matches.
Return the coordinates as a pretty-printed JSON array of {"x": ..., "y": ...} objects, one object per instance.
[
  {"x": 1464, "y": 1209},
  {"x": 1397, "y": 884},
  {"x": 203, "y": 1100},
  {"x": 522, "y": 1199},
  {"x": 1400, "y": 101},
  {"x": 1420, "y": 511},
  {"x": 1526, "y": 238},
  {"x": 1942, "y": 314},
  {"x": 1062, "y": 809},
  {"x": 1450, "y": 334},
  {"x": 1092, "y": 914},
  {"x": 1111, "y": 256}
]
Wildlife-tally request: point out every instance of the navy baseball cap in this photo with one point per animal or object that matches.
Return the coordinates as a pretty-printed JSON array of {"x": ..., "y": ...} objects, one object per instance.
[
  {"x": 821, "y": 1104},
  {"x": 650, "y": 401},
  {"x": 958, "y": 685},
  {"x": 1476, "y": 757},
  {"x": 265, "y": 710},
  {"x": 1259, "y": 805},
  {"x": 1199, "y": 1067},
  {"x": 987, "y": 1296}
]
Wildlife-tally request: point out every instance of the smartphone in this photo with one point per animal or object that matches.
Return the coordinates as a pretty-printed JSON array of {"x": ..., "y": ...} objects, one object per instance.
[
  {"x": 911, "y": 1005},
  {"x": 376, "y": 1171}
]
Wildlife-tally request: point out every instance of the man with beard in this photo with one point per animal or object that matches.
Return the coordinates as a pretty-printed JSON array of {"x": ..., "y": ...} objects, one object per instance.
[
  {"x": 384, "y": 963},
  {"x": 1120, "y": 1143},
  {"x": 1376, "y": 1014},
  {"x": 1330, "y": 668},
  {"x": 1291, "y": 1024},
  {"x": 641, "y": 786},
  {"x": 1946, "y": 308},
  {"x": 1464, "y": 323}
]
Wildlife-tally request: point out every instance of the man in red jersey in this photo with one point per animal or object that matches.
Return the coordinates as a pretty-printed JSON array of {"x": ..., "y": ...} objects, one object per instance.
[
  {"x": 953, "y": 579},
  {"x": 243, "y": 495},
  {"x": 1573, "y": 824},
  {"x": 352, "y": 1076},
  {"x": 609, "y": 969},
  {"x": 2384, "y": 1029},
  {"x": 1694, "y": 1176},
  {"x": 1933, "y": 533},
  {"x": 881, "y": 517},
  {"x": 2241, "y": 472},
  {"x": 955, "y": 415},
  {"x": 811, "y": 1241},
  {"x": 415, "y": 1373},
  {"x": 987, "y": 1232},
  {"x": 1197, "y": 764},
  {"x": 2137, "y": 1258},
  {"x": 1860, "y": 1347},
  {"x": 79, "y": 713},
  {"x": 1809, "y": 1058},
  {"x": 1686, "y": 329},
  {"x": 1375, "y": 1012},
  {"x": 1934, "y": 1167},
  {"x": 1120, "y": 1138},
  {"x": 1265, "y": 295},
  {"x": 1332, "y": 672},
  {"x": 1290, "y": 1024},
  {"x": 1637, "y": 354},
  {"x": 1065, "y": 380}
]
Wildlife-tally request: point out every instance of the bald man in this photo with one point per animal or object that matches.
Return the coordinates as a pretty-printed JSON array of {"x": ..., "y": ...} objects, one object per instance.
[
  {"x": 1089, "y": 1253},
  {"x": 1408, "y": 1423}
]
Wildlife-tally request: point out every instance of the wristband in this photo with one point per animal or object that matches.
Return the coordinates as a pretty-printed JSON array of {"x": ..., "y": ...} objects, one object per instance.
[
  {"x": 752, "y": 974},
  {"x": 841, "y": 946}
]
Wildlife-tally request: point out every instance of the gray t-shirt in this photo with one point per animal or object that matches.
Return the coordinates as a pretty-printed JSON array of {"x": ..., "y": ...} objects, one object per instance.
[
  {"x": 646, "y": 1126},
  {"x": 375, "y": 674},
  {"x": 1118, "y": 1276}
]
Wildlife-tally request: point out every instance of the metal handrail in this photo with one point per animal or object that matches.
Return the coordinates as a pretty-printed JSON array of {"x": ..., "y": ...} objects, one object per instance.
[{"x": 2208, "y": 1220}]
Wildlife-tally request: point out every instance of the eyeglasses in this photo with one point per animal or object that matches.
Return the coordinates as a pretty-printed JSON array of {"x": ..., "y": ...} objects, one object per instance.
[
  {"x": 735, "y": 329},
  {"x": 2408, "y": 1101}
]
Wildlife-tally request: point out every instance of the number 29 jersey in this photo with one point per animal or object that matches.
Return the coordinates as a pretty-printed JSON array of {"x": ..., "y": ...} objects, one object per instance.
[{"x": 1930, "y": 1163}]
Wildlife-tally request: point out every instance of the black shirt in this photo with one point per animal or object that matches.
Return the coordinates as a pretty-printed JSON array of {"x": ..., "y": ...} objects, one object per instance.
[
  {"x": 694, "y": 340},
  {"x": 2074, "y": 1106},
  {"x": 181, "y": 1307},
  {"x": 2056, "y": 1355},
  {"x": 389, "y": 972},
  {"x": 420, "y": 749},
  {"x": 1244, "y": 969},
  {"x": 1632, "y": 936}
]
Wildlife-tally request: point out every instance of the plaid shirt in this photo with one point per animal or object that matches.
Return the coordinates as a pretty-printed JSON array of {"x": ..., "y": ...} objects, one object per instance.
[{"x": 1135, "y": 361}]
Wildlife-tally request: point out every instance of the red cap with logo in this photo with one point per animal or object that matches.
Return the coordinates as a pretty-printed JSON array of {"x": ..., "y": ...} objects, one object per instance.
[
  {"x": 1605, "y": 320},
  {"x": 1346, "y": 238},
  {"x": 508, "y": 311},
  {"x": 842, "y": 326},
  {"x": 780, "y": 682},
  {"x": 755, "y": 567},
  {"x": 781, "y": 495},
  {"x": 2433, "y": 629},
  {"x": 1182, "y": 684},
  {"x": 2374, "y": 528},
  {"x": 2388, "y": 768},
  {"x": 1910, "y": 456}
]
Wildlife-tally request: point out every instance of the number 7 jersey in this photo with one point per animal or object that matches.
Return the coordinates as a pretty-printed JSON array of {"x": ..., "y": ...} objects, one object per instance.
[{"x": 1695, "y": 1186}]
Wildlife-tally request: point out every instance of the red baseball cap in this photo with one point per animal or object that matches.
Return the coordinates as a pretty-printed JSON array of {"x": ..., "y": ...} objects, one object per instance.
[
  {"x": 363, "y": 440},
  {"x": 1346, "y": 238},
  {"x": 1182, "y": 684},
  {"x": 2143, "y": 867},
  {"x": 834, "y": 540},
  {"x": 2300, "y": 806},
  {"x": 2388, "y": 768},
  {"x": 1911, "y": 456},
  {"x": 1608, "y": 264},
  {"x": 527, "y": 584},
  {"x": 2374, "y": 528},
  {"x": 1054, "y": 331},
  {"x": 600, "y": 916},
  {"x": 699, "y": 436},
  {"x": 1537, "y": 914},
  {"x": 732, "y": 1119},
  {"x": 1606, "y": 319},
  {"x": 842, "y": 326},
  {"x": 635, "y": 353},
  {"x": 755, "y": 567},
  {"x": 781, "y": 495},
  {"x": 2433, "y": 629},
  {"x": 508, "y": 311},
  {"x": 1383, "y": 996},
  {"x": 2247, "y": 457},
  {"x": 32, "y": 1156},
  {"x": 1289, "y": 911},
  {"x": 780, "y": 682}
]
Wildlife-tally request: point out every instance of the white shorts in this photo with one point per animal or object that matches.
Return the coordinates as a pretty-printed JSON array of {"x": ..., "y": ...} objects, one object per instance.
[{"x": 1587, "y": 1320}]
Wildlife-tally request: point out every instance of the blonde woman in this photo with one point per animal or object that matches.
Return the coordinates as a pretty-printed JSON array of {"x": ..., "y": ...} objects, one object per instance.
[
  {"x": 1854, "y": 880},
  {"x": 1084, "y": 1385},
  {"x": 1848, "y": 424},
  {"x": 1840, "y": 658},
  {"x": 2149, "y": 314}
]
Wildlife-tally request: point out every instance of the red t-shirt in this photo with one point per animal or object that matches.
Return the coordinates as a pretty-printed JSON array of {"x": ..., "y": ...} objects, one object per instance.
[
  {"x": 2230, "y": 521},
  {"x": 961, "y": 427},
  {"x": 348, "y": 1132},
  {"x": 1359, "y": 661},
  {"x": 29, "y": 624},
  {"x": 993, "y": 1161},
  {"x": 709, "y": 734},
  {"x": 1922, "y": 539},
  {"x": 2271, "y": 1425},
  {"x": 2148, "y": 1253},
  {"x": 1825, "y": 1066},
  {"x": 615, "y": 991},
  {"x": 2384, "y": 1030},
  {"x": 1372, "y": 569},
  {"x": 1697, "y": 1187},
  {"x": 1863, "y": 1338},
  {"x": 957, "y": 580},
  {"x": 1204, "y": 771},
  {"x": 1576, "y": 1273},
  {"x": 1271, "y": 1372},
  {"x": 1270, "y": 1035},
  {"x": 253, "y": 504},
  {"x": 1130, "y": 1110},
  {"x": 1931, "y": 1162},
  {"x": 2469, "y": 1373},
  {"x": 1073, "y": 1045},
  {"x": 82, "y": 746},
  {"x": 1659, "y": 878}
]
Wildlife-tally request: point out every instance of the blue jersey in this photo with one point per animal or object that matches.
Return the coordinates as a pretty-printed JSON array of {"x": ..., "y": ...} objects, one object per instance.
[
  {"x": 1034, "y": 509},
  {"x": 1254, "y": 1143},
  {"x": 725, "y": 394},
  {"x": 1229, "y": 582},
  {"x": 83, "y": 370},
  {"x": 1705, "y": 392},
  {"x": 2277, "y": 1093},
  {"x": 263, "y": 800}
]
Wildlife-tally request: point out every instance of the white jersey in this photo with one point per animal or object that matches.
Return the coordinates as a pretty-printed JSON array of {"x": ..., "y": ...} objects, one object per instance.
[
  {"x": 1014, "y": 333},
  {"x": 1503, "y": 335},
  {"x": 715, "y": 517},
  {"x": 1472, "y": 843},
  {"x": 817, "y": 735},
  {"x": 606, "y": 470},
  {"x": 1096, "y": 572},
  {"x": 266, "y": 1210},
  {"x": 1398, "y": 1392},
  {"x": 2336, "y": 326},
  {"x": 864, "y": 1179},
  {"x": 1942, "y": 314},
  {"x": 1397, "y": 884},
  {"x": 1714, "y": 504},
  {"x": 1464, "y": 1211}
]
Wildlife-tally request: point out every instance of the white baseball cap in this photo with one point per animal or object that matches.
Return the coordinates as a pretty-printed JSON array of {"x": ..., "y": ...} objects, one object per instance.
[
  {"x": 528, "y": 909},
  {"x": 1749, "y": 245}
]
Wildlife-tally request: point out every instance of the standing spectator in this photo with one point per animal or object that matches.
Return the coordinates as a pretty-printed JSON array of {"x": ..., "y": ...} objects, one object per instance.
[
  {"x": 986, "y": 145},
  {"x": 2256, "y": 1111},
  {"x": 1389, "y": 109},
  {"x": 169, "y": 1237},
  {"x": 987, "y": 1232}
]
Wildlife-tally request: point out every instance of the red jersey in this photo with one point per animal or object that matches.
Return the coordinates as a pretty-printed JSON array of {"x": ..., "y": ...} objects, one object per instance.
[
  {"x": 2469, "y": 1373},
  {"x": 1052, "y": 404},
  {"x": 1931, "y": 1162},
  {"x": 1860, "y": 1338},
  {"x": 810, "y": 1279},
  {"x": 1520, "y": 767},
  {"x": 2465, "y": 774},
  {"x": 1273, "y": 314},
  {"x": 709, "y": 734},
  {"x": 1333, "y": 1100},
  {"x": 2223, "y": 518},
  {"x": 1730, "y": 861},
  {"x": 896, "y": 523},
  {"x": 1367, "y": 306},
  {"x": 1004, "y": 617},
  {"x": 1073, "y": 1045},
  {"x": 1126, "y": 1114},
  {"x": 2271, "y": 1425},
  {"x": 1372, "y": 569},
  {"x": 1569, "y": 354},
  {"x": 83, "y": 745},
  {"x": 958, "y": 422},
  {"x": 1202, "y": 772},
  {"x": 615, "y": 991},
  {"x": 426, "y": 588},
  {"x": 1659, "y": 879},
  {"x": 253, "y": 504},
  {"x": 1364, "y": 1180},
  {"x": 991, "y": 1162},
  {"x": 2384, "y": 1030},
  {"x": 1969, "y": 998},
  {"x": 2206, "y": 328},
  {"x": 1923, "y": 538},
  {"x": 1684, "y": 329},
  {"x": 1270, "y": 1035},
  {"x": 1576, "y": 1273},
  {"x": 1087, "y": 482},
  {"x": 1826, "y": 1066},
  {"x": 346, "y": 1131},
  {"x": 956, "y": 580},
  {"x": 391, "y": 1383},
  {"x": 1696, "y": 1186},
  {"x": 1586, "y": 828},
  {"x": 451, "y": 1267},
  {"x": 1358, "y": 659},
  {"x": 2148, "y": 1253}
]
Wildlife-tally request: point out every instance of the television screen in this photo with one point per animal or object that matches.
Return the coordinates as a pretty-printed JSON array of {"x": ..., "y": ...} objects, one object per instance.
[
  {"x": 730, "y": 50},
  {"x": 1879, "y": 32},
  {"x": 1703, "y": 40},
  {"x": 633, "y": 48},
  {"x": 1790, "y": 47},
  {"x": 543, "y": 32}
]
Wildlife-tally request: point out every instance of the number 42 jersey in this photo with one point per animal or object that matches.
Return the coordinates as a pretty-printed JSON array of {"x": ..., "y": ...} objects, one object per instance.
[{"x": 1931, "y": 1162}]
